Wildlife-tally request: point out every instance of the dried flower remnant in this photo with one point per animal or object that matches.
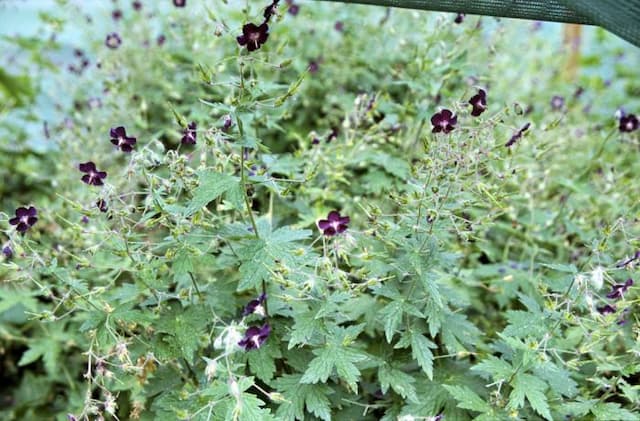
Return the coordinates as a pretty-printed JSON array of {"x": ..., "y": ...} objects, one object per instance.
[
  {"x": 189, "y": 135},
  {"x": 255, "y": 306},
  {"x": 253, "y": 36},
  {"x": 444, "y": 121},
  {"x": 618, "y": 290},
  {"x": 121, "y": 140},
  {"x": 628, "y": 123},
  {"x": 517, "y": 135},
  {"x": 334, "y": 224},
  {"x": 479, "y": 103},
  {"x": 255, "y": 337},
  {"x": 113, "y": 41},
  {"x": 92, "y": 175},
  {"x": 25, "y": 218}
]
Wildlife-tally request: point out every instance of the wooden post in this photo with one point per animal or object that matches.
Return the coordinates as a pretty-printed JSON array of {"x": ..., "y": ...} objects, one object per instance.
[{"x": 572, "y": 39}]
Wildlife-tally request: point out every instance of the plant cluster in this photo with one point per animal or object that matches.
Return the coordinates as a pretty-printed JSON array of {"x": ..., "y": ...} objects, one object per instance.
[{"x": 337, "y": 212}]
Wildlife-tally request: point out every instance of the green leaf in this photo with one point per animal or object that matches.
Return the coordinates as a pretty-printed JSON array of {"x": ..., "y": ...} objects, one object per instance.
[
  {"x": 262, "y": 361},
  {"x": 259, "y": 256},
  {"x": 467, "y": 398},
  {"x": 399, "y": 381},
  {"x": 392, "y": 315},
  {"x": 612, "y": 411},
  {"x": 421, "y": 352},
  {"x": 525, "y": 323},
  {"x": 497, "y": 368},
  {"x": 331, "y": 356},
  {"x": 305, "y": 326},
  {"x": 533, "y": 388},
  {"x": 182, "y": 265},
  {"x": 211, "y": 186},
  {"x": 315, "y": 397},
  {"x": 320, "y": 367}
]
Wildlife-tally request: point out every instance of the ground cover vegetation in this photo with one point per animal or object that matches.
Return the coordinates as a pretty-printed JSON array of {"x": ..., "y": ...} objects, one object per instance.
[{"x": 298, "y": 211}]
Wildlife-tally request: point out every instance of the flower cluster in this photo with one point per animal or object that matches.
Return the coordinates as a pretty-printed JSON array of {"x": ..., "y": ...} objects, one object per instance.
[
  {"x": 617, "y": 292},
  {"x": 255, "y": 336},
  {"x": 253, "y": 36}
]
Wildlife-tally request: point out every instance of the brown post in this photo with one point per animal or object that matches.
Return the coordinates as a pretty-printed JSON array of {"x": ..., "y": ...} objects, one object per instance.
[{"x": 572, "y": 35}]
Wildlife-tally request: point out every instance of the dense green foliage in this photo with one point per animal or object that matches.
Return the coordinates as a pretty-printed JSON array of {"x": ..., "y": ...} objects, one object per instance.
[{"x": 467, "y": 283}]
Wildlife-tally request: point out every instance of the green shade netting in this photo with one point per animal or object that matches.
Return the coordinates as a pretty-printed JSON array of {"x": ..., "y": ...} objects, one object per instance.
[{"x": 620, "y": 17}]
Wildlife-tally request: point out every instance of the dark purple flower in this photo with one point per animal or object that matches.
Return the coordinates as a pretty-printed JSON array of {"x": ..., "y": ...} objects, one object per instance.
[
  {"x": 8, "y": 253},
  {"x": 606, "y": 309},
  {"x": 179, "y": 3},
  {"x": 479, "y": 103},
  {"x": 113, "y": 40},
  {"x": 255, "y": 336},
  {"x": 116, "y": 14},
  {"x": 92, "y": 176},
  {"x": 315, "y": 140},
  {"x": 102, "y": 205},
  {"x": 161, "y": 39},
  {"x": 136, "y": 5},
  {"x": 85, "y": 219},
  {"x": 253, "y": 36},
  {"x": 121, "y": 140},
  {"x": 270, "y": 10},
  {"x": 438, "y": 417},
  {"x": 189, "y": 134},
  {"x": 578, "y": 92},
  {"x": 334, "y": 224},
  {"x": 624, "y": 263},
  {"x": 618, "y": 290},
  {"x": 628, "y": 123},
  {"x": 517, "y": 135},
  {"x": 338, "y": 26},
  {"x": 227, "y": 122},
  {"x": 459, "y": 18},
  {"x": 313, "y": 66},
  {"x": 25, "y": 218},
  {"x": 557, "y": 102},
  {"x": 255, "y": 306},
  {"x": 444, "y": 121},
  {"x": 333, "y": 134},
  {"x": 293, "y": 8}
]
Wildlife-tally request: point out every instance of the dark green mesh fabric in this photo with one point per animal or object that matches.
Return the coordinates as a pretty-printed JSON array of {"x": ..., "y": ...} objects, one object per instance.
[{"x": 618, "y": 16}]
